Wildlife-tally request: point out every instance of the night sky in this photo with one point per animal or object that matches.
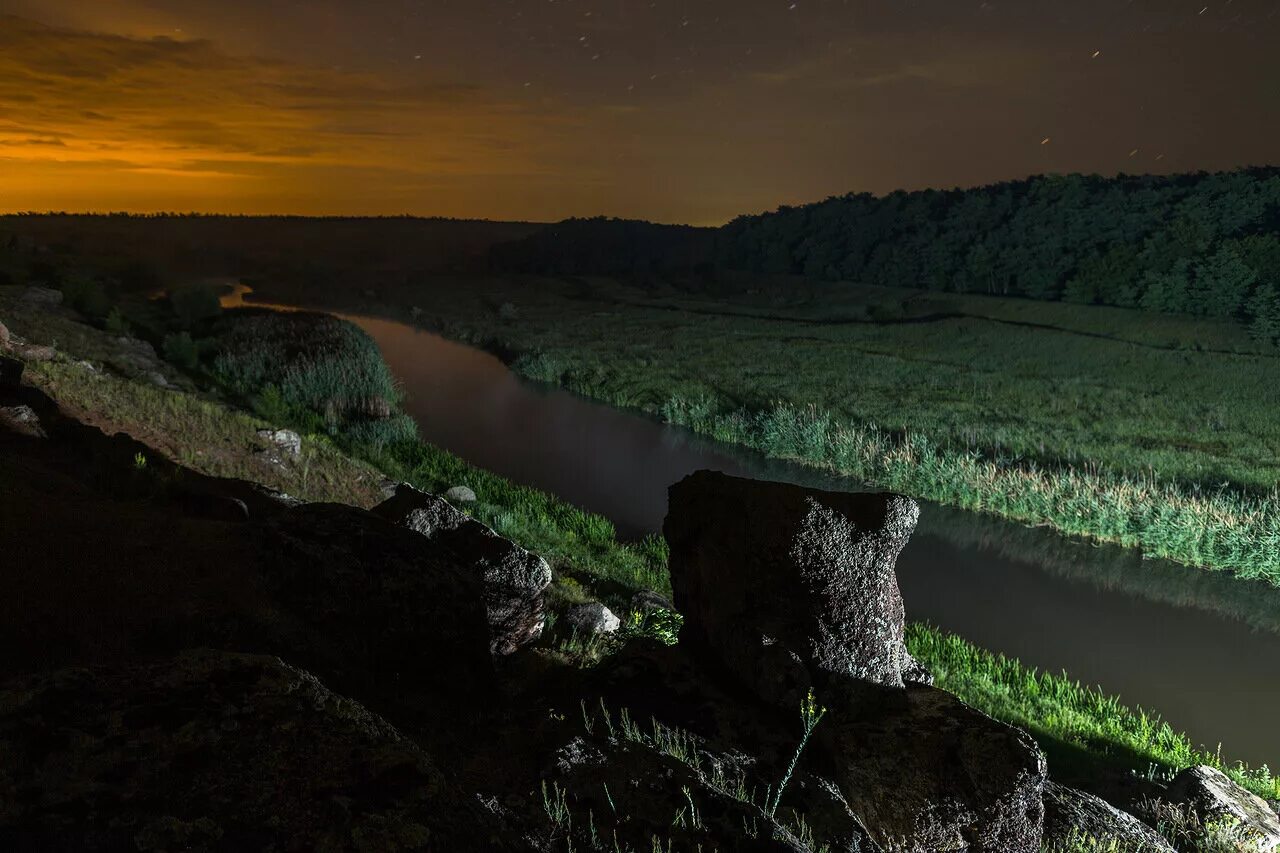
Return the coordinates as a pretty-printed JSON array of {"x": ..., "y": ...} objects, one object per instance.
[{"x": 672, "y": 110}]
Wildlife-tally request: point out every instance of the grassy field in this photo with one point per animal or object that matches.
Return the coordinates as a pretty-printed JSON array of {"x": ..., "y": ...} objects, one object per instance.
[{"x": 1152, "y": 432}]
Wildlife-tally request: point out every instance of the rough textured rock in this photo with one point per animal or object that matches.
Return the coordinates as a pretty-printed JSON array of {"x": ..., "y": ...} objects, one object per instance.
[
  {"x": 460, "y": 494},
  {"x": 286, "y": 440},
  {"x": 514, "y": 579},
  {"x": 1068, "y": 811},
  {"x": 646, "y": 600},
  {"x": 43, "y": 296},
  {"x": 10, "y": 372},
  {"x": 939, "y": 775},
  {"x": 22, "y": 420},
  {"x": 791, "y": 589},
  {"x": 633, "y": 790},
  {"x": 592, "y": 618},
  {"x": 4, "y": 336},
  {"x": 37, "y": 353},
  {"x": 1214, "y": 796},
  {"x": 176, "y": 564},
  {"x": 369, "y": 605},
  {"x": 216, "y": 751}
]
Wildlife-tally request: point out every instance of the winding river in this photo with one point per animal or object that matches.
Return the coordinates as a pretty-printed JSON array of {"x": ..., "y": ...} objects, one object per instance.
[{"x": 1201, "y": 648}]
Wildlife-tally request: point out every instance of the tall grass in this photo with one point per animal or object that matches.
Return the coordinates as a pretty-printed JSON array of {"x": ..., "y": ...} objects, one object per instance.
[
  {"x": 1210, "y": 528},
  {"x": 1056, "y": 709}
]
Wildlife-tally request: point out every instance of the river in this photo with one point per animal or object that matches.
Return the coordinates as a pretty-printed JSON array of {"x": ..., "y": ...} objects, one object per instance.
[{"x": 1201, "y": 648}]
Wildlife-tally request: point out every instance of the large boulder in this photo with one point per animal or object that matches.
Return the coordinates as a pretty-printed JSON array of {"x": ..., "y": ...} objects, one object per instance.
[
  {"x": 791, "y": 589},
  {"x": 1072, "y": 816},
  {"x": 216, "y": 751},
  {"x": 1213, "y": 796},
  {"x": 514, "y": 579},
  {"x": 939, "y": 775}
]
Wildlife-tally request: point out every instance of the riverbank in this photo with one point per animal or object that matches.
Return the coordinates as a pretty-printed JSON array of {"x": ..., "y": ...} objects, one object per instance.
[
  {"x": 1096, "y": 422},
  {"x": 1093, "y": 736}
]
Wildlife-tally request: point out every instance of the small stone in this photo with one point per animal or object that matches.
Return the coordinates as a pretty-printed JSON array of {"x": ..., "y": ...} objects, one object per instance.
[
  {"x": 460, "y": 495},
  {"x": 157, "y": 379},
  {"x": 285, "y": 439},
  {"x": 21, "y": 419},
  {"x": 593, "y": 618}
]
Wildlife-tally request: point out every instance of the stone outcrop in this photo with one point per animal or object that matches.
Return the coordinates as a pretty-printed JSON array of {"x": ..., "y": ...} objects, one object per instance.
[
  {"x": 1245, "y": 817},
  {"x": 216, "y": 751},
  {"x": 1071, "y": 815},
  {"x": 21, "y": 420},
  {"x": 514, "y": 580},
  {"x": 940, "y": 775},
  {"x": 790, "y": 590}
]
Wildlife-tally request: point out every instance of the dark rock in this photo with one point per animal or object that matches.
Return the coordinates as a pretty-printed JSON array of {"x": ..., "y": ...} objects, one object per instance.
[
  {"x": 646, "y": 600},
  {"x": 214, "y": 750},
  {"x": 791, "y": 589},
  {"x": 22, "y": 420},
  {"x": 592, "y": 618},
  {"x": 1212, "y": 795},
  {"x": 631, "y": 789},
  {"x": 45, "y": 297},
  {"x": 377, "y": 609},
  {"x": 939, "y": 775},
  {"x": 175, "y": 565},
  {"x": 514, "y": 579},
  {"x": 10, "y": 372},
  {"x": 1071, "y": 815}
]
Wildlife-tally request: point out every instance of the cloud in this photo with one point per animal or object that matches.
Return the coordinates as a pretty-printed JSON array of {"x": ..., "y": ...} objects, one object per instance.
[{"x": 165, "y": 107}]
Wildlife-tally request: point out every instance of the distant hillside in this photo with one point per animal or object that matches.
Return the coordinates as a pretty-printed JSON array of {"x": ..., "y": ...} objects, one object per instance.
[{"x": 1201, "y": 244}]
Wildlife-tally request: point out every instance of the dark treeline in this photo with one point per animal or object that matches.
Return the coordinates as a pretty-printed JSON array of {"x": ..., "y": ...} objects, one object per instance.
[
  {"x": 1201, "y": 244},
  {"x": 603, "y": 246}
]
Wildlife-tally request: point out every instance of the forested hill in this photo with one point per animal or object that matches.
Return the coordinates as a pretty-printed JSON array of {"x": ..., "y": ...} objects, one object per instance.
[{"x": 1203, "y": 244}]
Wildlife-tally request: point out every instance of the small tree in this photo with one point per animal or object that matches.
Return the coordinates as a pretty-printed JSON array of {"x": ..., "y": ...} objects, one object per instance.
[
  {"x": 194, "y": 304},
  {"x": 1264, "y": 312}
]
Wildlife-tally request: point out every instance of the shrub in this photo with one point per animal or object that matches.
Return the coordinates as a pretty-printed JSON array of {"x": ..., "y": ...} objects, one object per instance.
[
  {"x": 180, "y": 350},
  {"x": 194, "y": 304}
]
